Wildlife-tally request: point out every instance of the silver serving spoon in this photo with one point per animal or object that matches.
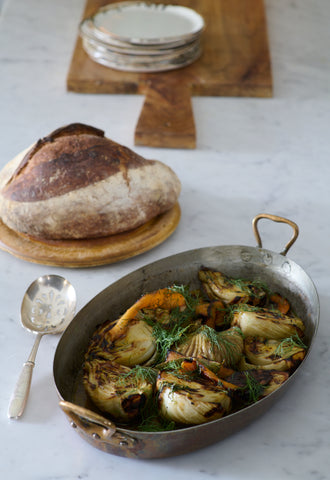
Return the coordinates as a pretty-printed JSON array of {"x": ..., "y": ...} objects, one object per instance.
[{"x": 48, "y": 306}]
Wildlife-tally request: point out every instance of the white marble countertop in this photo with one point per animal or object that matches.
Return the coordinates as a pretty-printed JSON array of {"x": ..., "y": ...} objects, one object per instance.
[{"x": 253, "y": 155}]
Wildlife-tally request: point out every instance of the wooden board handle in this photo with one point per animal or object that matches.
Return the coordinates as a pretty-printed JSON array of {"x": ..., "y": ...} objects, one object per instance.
[{"x": 166, "y": 119}]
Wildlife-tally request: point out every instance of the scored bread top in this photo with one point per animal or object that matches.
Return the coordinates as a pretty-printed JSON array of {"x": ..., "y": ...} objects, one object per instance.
[
  {"x": 76, "y": 183},
  {"x": 70, "y": 158}
]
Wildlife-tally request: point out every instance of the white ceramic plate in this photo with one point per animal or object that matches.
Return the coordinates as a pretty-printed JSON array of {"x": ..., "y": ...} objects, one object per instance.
[
  {"x": 142, "y": 55},
  {"x": 130, "y": 63},
  {"x": 88, "y": 34},
  {"x": 147, "y": 23}
]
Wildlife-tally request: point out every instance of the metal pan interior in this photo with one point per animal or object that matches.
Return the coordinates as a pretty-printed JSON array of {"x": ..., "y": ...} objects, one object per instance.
[{"x": 280, "y": 273}]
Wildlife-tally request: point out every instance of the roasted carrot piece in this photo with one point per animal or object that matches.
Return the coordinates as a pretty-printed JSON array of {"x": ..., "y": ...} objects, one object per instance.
[
  {"x": 282, "y": 304},
  {"x": 164, "y": 298},
  {"x": 202, "y": 309},
  {"x": 225, "y": 372},
  {"x": 214, "y": 312},
  {"x": 189, "y": 365},
  {"x": 210, "y": 322},
  {"x": 228, "y": 385},
  {"x": 207, "y": 373},
  {"x": 219, "y": 307},
  {"x": 218, "y": 312}
]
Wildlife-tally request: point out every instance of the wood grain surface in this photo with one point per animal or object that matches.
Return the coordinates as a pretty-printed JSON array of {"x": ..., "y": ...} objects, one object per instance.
[
  {"x": 91, "y": 253},
  {"x": 235, "y": 62}
]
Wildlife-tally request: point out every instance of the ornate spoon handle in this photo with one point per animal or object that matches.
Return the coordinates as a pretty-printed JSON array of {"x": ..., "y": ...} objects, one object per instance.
[{"x": 20, "y": 395}]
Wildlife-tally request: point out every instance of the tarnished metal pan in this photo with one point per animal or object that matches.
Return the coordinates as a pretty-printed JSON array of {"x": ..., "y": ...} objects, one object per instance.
[{"x": 275, "y": 269}]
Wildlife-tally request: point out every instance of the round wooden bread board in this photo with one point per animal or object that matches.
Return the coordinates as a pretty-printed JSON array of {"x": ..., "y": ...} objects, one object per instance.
[{"x": 91, "y": 252}]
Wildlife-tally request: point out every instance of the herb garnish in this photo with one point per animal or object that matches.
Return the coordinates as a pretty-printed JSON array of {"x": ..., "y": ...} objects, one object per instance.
[
  {"x": 253, "y": 387},
  {"x": 179, "y": 322},
  {"x": 138, "y": 374},
  {"x": 287, "y": 345}
]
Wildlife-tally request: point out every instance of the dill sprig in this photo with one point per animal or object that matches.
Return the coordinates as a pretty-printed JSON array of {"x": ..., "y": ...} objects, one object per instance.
[
  {"x": 177, "y": 387},
  {"x": 172, "y": 365},
  {"x": 178, "y": 322},
  {"x": 168, "y": 336},
  {"x": 211, "y": 335},
  {"x": 239, "y": 307},
  {"x": 287, "y": 345},
  {"x": 253, "y": 387},
  {"x": 229, "y": 344},
  {"x": 138, "y": 374},
  {"x": 156, "y": 423},
  {"x": 191, "y": 300},
  {"x": 151, "y": 420},
  {"x": 226, "y": 342},
  {"x": 254, "y": 288}
]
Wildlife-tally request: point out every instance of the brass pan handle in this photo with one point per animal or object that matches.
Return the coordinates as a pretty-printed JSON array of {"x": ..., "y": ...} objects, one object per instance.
[
  {"x": 95, "y": 425},
  {"x": 275, "y": 218},
  {"x": 88, "y": 421}
]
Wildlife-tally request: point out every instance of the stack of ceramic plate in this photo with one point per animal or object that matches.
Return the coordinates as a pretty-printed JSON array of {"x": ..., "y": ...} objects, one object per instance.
[{"x": 143, "y": 37}]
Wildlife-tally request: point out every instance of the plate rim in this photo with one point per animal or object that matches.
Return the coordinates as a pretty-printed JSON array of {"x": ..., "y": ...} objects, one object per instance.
[{"x": 147, "y": 41}]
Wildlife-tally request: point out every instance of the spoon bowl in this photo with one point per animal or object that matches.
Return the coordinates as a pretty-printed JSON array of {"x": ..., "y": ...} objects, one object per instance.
[{"x": 48, "y": 306}]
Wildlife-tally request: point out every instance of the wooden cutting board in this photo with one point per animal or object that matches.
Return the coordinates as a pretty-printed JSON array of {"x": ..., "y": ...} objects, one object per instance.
[
  {"x": 235, "y": 62},
  {"x": 92, "y": 252}
]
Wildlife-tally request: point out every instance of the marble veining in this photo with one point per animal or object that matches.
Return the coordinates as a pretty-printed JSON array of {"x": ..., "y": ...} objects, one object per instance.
[{"x": 252, "y": 156}]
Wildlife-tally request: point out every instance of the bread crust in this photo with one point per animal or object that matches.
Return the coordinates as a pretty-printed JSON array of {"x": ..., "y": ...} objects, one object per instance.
[{"x": 76, "y": 183}]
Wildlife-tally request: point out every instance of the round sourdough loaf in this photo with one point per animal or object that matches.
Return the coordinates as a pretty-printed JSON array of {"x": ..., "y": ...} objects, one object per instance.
[{"x": 76, "y": 183}]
